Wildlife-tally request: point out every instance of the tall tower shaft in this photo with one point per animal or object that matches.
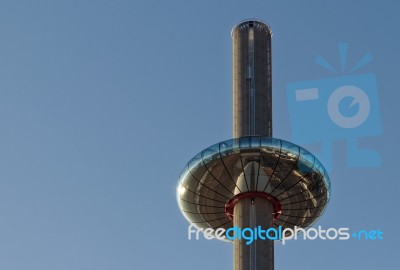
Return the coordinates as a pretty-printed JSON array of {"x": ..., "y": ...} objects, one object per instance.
[
  {"x": 252, "y": 115},
  {"x": 252, "y": 79}
]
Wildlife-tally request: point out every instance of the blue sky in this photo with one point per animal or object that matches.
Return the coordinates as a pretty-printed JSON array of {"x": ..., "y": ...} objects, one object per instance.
[{"x": 102, "y": 103}]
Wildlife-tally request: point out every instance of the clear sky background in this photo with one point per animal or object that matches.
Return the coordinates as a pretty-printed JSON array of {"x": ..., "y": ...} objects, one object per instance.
[{"x": 102, "y": 103}]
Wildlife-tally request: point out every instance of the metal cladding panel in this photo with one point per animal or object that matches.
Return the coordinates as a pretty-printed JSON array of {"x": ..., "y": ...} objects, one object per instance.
[
  {"x": 252, "y": 84},
  {"x": 249, "y": 214}
]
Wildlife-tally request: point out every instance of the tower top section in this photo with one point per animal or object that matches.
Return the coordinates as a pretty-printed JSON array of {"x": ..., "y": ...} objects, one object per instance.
[
  {"x": 251, "y": 22},
  {"x": 252, "y": 79}
]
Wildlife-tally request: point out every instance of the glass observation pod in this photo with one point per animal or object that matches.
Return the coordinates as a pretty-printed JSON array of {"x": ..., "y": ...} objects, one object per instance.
[{"x": 287, "y": 175}]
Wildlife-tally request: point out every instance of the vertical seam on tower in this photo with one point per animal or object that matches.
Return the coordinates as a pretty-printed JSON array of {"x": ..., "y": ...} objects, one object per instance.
[{"x": 250, "y": 60}]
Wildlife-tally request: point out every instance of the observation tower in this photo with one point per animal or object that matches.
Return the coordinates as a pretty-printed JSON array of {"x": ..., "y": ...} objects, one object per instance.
[{"x": 253, "y": 179}]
